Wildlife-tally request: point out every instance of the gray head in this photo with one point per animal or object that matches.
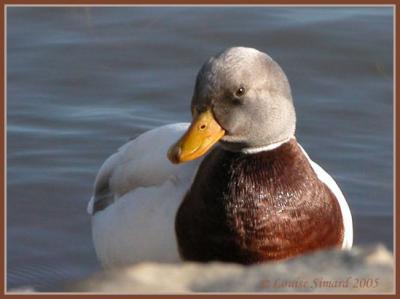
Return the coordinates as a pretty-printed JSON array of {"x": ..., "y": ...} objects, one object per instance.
[
  {"x": 242, "y": 98},
  {"x": 250, "y": 98}
]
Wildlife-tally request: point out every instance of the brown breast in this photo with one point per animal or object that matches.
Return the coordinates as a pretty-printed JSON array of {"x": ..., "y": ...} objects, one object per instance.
[{"x": 250, "y": 208}]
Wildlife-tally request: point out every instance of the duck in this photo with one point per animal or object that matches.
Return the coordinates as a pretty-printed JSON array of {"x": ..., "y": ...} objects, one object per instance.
[{"x": 234, "y": 185}]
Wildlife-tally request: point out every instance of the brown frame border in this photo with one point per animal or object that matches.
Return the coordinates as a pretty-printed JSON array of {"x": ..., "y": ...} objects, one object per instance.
[{"x": 194, "y": 2}]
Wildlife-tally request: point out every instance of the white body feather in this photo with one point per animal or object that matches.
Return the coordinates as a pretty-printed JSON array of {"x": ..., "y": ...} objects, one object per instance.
[
  {"x": 148, "y": 189},
  {"x": 139, "y": 225}
]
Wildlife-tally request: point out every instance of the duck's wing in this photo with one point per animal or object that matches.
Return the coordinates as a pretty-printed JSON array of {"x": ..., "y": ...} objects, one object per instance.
[
  {"x": 324, "y": 177},
  {"x": 136, "y": 196},
  {"x": 140, "y": 163}
]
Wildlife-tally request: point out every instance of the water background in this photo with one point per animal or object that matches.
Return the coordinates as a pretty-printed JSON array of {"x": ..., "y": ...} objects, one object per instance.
[{"x": 81, "y": 81}]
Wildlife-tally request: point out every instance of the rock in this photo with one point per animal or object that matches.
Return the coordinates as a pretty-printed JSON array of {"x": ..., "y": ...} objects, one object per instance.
[{"x": 361, "y": 270}]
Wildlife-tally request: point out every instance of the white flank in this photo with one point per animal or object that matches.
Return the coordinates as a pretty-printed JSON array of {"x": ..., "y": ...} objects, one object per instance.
[{"x": 148, "y": 189}]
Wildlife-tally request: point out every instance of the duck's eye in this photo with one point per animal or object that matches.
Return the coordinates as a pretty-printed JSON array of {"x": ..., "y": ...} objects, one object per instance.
[{"x": 240, "y": 91}]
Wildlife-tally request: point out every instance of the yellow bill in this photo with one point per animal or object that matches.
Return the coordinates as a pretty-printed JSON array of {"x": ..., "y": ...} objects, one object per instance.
[{"x": 202, "y": 134}]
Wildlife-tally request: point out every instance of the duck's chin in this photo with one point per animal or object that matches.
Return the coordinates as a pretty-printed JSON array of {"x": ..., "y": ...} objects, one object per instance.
[{"x": 232, "y": 143}]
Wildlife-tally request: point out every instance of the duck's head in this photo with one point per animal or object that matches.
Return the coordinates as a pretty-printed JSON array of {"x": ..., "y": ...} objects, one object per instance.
[{"x": 242, "y": 99}]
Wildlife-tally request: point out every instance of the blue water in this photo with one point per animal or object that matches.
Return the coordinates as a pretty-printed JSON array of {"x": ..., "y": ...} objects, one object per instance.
[{"x": 81, "y": 81}]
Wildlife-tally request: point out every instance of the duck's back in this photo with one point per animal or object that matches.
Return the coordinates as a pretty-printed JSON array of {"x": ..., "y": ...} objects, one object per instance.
[
  {"x": 251, "y": 208},
  {"x": 137, "y": 194}
]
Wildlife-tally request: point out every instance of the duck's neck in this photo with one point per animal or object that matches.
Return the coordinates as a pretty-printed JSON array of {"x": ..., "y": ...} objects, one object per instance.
[
  {"x": 232, "y": 147},
  {"x": 254, "y": 207}
]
